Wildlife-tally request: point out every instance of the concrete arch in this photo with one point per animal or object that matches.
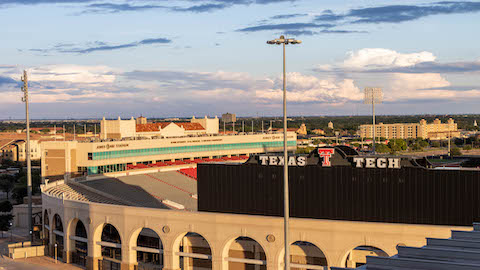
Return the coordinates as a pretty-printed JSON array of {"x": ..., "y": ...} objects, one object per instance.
[
  {"x": 381, "y": 246},
  {"x": 175, "y": 259},
  {"x": 369, "y": 250},
  {"x": 132, "y": 240},
  {"x": 281, "y": 254},
  {"x": 95, "y": 250},
  {"x": 71, "y": 244},
  {"x": 228, "y": 243},
  {"x": 58, "y": 236},
  {"x": 54, "y": 222}
]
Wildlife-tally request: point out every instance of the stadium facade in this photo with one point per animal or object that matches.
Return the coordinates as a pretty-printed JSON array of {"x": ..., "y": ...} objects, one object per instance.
[{"x": 228, "y": 218}]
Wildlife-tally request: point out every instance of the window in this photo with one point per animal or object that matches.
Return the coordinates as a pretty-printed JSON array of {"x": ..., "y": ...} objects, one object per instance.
[{"x": 90, "y": 156}]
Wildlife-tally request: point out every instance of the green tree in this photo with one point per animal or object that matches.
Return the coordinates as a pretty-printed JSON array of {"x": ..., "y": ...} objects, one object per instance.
[
  {"x": 435, "y": 144},
  {"x": 467, "y": 147},
  {"x": 7, "y": 183},
  {"x": 5, "y": 216},
  {"x": 455, "y": 151},
  {"x": 20, "y": 189},
  {"x": 5, "y": 221},
  {"x": 8, "y": 163},
  {"x": 382, "y": 148},
  {"x": 6, "y": 206},
  {"x": 417, "y": 147},
  {"x": 45, "y": 130}
]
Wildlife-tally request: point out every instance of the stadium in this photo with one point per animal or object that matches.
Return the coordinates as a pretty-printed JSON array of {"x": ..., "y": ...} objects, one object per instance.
[{"x": 227, "y": 214}]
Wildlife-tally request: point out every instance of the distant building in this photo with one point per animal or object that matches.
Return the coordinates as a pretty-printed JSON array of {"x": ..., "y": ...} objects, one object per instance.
[
  {"x": 15, "y": 150},
  {"x": 45, "y": 130},
  {"x": 330, "y": 125},
  {"x": 141, "y": 120},
  {"x": 229, "y": 118},
  {"x": 118, "y": 129},
  {"x": 475, "y": 123},
  {"x": 318, "y": 131},
  {"x": 302, "y": 130},
  {"x": 434, "y": 131}
]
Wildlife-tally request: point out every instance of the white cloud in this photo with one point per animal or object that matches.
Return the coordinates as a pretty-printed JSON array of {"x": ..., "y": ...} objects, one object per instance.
[
  {"x": 307, "y": 88},
  {"x": 73, "y": 74},
  {"x": 378, "y": 57}
]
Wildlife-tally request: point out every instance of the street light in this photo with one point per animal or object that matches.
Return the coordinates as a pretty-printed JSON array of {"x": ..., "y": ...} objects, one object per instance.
[{"x": 285, "y": 41}]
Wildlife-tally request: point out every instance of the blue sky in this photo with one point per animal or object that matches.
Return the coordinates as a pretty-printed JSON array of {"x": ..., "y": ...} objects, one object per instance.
[{"x": 205, "y": 57}]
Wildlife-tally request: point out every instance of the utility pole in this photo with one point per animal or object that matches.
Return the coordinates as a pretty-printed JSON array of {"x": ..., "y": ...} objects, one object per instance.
[
  {"x": 243, "y": 126},
  {"x": 74, "y": 131},
  {"x": 28, "y": 153},
  {"x": 252, "y": 126},
  {"x": 262, "y": 127}
]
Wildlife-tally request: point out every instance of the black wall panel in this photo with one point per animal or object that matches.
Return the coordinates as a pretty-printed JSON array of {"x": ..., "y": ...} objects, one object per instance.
[{"x": 413, "y": 195}]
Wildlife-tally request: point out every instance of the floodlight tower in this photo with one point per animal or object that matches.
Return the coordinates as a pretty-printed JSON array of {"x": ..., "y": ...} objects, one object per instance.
[
  {"x": 27, "y": 154},
  {"x": 286, "y": 214},
  {"x": 373, "y": 95}
]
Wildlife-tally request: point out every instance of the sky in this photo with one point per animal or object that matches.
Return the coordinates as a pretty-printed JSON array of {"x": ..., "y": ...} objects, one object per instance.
[{"x": 164, "y": 58}]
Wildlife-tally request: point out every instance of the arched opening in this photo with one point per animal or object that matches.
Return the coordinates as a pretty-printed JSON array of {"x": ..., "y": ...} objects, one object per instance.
[
  {"x": 149, "y": 250},
  {"x": 194, "y": 252},
  {"x": 305, "y": 255},
  {"x": 46, "y": 229},
  {"x": 245, "y": 253},
  {"x": 358, "y": 256},
  {"x": 80, "y": 252},
  {"x": 58, "y": 234},
  {"x": 111, "y": 244}
]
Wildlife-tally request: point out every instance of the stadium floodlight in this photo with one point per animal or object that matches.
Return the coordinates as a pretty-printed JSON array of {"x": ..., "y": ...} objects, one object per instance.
[
  {"x": 373, "y": 95},
  {"x": 284, "y": 41}
]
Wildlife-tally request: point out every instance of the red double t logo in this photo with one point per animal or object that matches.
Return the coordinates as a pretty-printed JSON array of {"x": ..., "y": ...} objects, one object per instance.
[{"x": 326, "y": 154}]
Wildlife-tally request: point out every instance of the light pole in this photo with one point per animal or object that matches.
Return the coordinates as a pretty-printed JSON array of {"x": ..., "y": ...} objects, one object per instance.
[
  {"x": 28, "y": 152},
  {"x": 283, "y": 41},
  {"x": 373, "y": 95},
  {"x": 56, "y": 253}
]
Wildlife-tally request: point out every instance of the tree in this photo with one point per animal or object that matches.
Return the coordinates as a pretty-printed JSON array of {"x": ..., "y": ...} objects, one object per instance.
[
  {"x": 20, "y": 189},
  {"x": 45, "y": 130},
  {"x": 467, "y": 147},
  {"x": 5, "y": 221},
  {"x": 5, "y": 216},
  {"x": 6, "y": 206},
  {"x": 397, "y": 145},
  {"x": 455, "y": 151},
  {"x": 8, "y": 163},
  {"x": 6, "y": 183},
  {"x": 382, "y": 148},
  {"x": 435, "y": 144}
]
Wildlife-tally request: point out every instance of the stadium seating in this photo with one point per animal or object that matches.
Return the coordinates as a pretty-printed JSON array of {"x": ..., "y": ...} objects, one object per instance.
[{"x": 190, "y": 172}]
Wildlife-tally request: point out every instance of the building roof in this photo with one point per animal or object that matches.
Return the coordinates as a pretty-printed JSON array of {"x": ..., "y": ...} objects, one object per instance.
[
  {"x": 460, "y": 251},
  {"x": 155, "y": 190},
  {"x": 152, "y": 127}
]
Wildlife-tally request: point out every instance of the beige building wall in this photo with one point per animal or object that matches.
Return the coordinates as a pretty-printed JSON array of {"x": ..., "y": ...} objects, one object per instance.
[
  {"x": 211, "y": 125},
  {"x": 117, "y": 129},
  {"x": 435, "y": 130}
]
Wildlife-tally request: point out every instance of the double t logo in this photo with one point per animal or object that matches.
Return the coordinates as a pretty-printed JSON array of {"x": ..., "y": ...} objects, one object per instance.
[{"x": 326, "y": 154}]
